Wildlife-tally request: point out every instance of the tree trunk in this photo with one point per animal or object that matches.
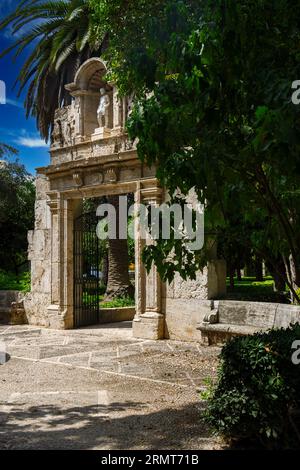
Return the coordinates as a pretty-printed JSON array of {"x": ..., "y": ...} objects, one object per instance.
[
  {"x": 278, "y": 275},
  {"x": 258, "y": 270},
  {"x": 294, "y": 273},
  {"x": 290, "y": 276},
  {"x": 231, "y": 277},
  {"x": 118, "y": 282},
  {"x": 279, "y": 284},
  {"x": 293, "y": 263},
  {"x": 105, "y": 268}
]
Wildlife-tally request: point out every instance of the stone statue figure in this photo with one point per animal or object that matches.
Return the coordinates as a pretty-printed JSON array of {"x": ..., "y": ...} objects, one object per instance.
[
  {"x": 69, "y": 131},
  {"x": 103, "y": 105},
  {"x": 57, "y": 135}
]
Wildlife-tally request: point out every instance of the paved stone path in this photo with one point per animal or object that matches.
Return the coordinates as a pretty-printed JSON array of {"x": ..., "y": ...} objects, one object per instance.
[{"x": 99, "y": 388}]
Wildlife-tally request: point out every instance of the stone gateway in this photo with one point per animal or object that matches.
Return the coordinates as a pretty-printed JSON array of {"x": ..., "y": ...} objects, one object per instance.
[{"x": 91, "y": 156}]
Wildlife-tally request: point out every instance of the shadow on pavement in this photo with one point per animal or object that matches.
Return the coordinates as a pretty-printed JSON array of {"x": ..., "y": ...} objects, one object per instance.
[{"x": 102, "y": 427}]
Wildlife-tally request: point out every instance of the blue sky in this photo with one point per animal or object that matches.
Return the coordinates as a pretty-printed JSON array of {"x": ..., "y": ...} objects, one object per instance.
[{"x": 15, "y": 129}]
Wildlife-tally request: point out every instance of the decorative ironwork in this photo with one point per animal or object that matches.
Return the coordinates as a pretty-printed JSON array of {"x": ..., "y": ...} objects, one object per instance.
[{"x": 86, "y": 270}]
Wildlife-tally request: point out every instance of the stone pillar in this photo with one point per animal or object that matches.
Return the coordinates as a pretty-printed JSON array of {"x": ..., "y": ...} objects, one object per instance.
[
  {"x": 79, "y": 124},
  {"x": 60, "y": 312},
  {"x": 140, "y": 272},
  {"x": 117, "y": 111},
  {"x": 37, "y": 300},
  {"x": 149, "y": 320}
]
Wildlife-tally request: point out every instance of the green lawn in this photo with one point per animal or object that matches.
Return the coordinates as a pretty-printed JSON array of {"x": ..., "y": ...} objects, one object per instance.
[
  {"x": 250, "y": 289},
  {"x": 246, "y": 289},
  {"x": 116, "y": 303},
  {"x": 9, "y": 281}
]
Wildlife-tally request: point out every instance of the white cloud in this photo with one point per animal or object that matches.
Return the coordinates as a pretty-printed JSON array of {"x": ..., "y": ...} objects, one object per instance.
[
  {"x": 15, "y": 103},
  {"x": 31, "y": 142},
  {"x": 24, "y": 138}
]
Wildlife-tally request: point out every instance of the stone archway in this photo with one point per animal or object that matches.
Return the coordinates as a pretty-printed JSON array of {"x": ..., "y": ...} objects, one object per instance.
[{"x": 90, "y": 161}]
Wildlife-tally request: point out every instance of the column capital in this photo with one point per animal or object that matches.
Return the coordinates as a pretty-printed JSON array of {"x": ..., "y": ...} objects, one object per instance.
[
  {"x": 53, "y": 201},
  {"x": 151, "y": 195}
]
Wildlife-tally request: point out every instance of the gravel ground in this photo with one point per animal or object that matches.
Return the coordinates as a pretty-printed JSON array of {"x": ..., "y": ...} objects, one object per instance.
[{"x": 102, "y": 389}]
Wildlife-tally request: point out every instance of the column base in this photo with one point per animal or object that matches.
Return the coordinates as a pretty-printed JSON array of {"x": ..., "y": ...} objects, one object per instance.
[
  {"x": 100, "y": 133},
  {"x": 149, "y": 325},
  {"x": 59, "y": 319}
]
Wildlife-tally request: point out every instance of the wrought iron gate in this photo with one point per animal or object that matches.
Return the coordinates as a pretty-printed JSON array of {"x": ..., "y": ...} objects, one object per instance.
[{"x": 86, "y": 270}]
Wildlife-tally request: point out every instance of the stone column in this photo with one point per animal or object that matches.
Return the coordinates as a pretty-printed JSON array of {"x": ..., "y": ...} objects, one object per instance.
[
  {"x": 60, "y": 312},
  {"x": 79, "y": 124},
  {"x": 149, "y": 320},
  {"x": 140, "y": 272},
  {"x": 39, "y": 252},
  {"x": 54, "y": 203},
  {"x": 117, "y": 111}
]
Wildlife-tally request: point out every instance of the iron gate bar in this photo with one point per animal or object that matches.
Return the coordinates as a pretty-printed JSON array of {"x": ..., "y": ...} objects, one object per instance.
[{"x": 86, "y": 270}]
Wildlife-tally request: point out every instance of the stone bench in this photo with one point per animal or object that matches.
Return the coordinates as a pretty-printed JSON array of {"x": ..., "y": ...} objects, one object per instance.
[
  {"x": 229, "y": 318},
  {"x": 11, "y": 308}
]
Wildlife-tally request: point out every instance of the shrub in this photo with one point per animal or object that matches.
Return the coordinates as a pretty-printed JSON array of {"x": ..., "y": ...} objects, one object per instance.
[
  {"x": 9, "y": 281},
  {"x": 115, "y": 303},
  {"x": 258, "y": 387},
  {"x": 298, "y": 292},
  {"x": 118, "y": 303}
]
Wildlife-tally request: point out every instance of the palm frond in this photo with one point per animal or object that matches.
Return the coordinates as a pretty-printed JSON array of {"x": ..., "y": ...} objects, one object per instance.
[{"x": 61, "y": 39}]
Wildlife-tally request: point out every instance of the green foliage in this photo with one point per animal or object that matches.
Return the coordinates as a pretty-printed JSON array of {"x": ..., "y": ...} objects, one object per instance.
[
  {"x": 258, "y": 386},
  {"x": 89, "y": 298},
  {"x": 17, "y": 196},
  {"x": 135, "y": 29},
  {"x": 130, "y": 242},
  {"x": 118, "y": 303},
  {"x": 206, "y": 120},
  {"x": 298, "y": 292},
  {"x": 9, "y": 281},
  {"x": 248, "y": 289}
]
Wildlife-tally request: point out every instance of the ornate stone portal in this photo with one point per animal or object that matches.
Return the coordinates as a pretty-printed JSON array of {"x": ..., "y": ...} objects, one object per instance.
[{"x": 91, "y": 156}]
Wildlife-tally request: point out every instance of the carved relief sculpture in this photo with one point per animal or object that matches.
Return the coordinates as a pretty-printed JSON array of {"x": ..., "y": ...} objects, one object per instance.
[
  {"x": 57, "y": 136},
  {"x": 69, "y": 131}
]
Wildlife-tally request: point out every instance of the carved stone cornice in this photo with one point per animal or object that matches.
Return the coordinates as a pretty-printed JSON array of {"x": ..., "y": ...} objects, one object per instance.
[
  {"x": 90, "y": 162},
  {"x": 151, "y": 195},
  {"x": 53, "y": 201}
]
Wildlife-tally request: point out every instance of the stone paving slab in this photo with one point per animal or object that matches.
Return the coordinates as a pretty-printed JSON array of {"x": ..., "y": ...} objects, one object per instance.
[
  {"x": 107, "y": 350},
  {"x": 102, "y": 389}
]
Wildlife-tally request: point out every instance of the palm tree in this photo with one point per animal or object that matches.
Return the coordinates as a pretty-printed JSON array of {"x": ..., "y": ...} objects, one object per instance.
[
  {"x": 60, "y": 38},
  {"x": 118, "y": 282}
]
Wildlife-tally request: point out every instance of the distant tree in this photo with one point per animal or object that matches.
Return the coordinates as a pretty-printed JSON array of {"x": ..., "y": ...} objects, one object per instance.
[
  {"x": 17, "y": 196},
  {"x": 61, "y": 36}
]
